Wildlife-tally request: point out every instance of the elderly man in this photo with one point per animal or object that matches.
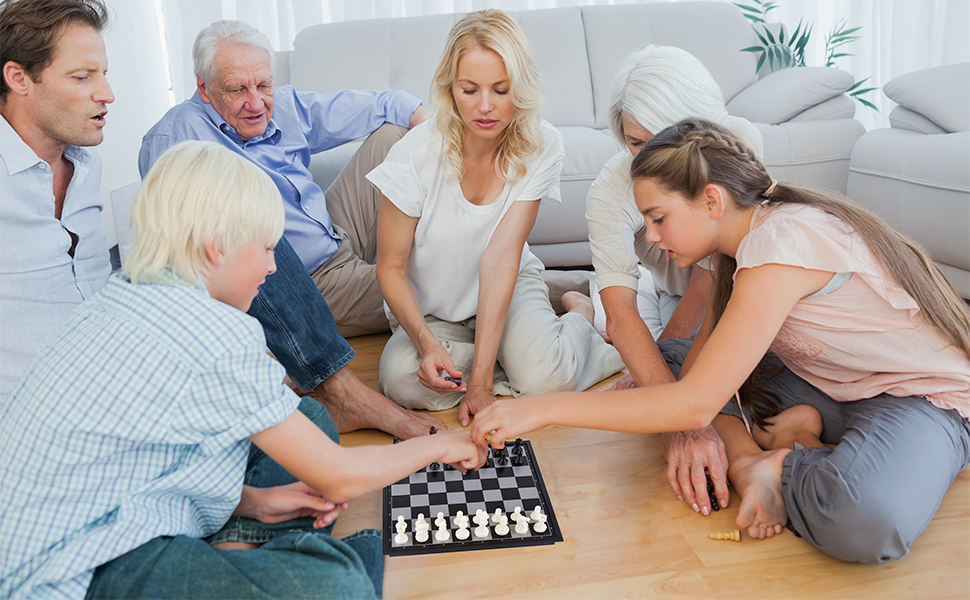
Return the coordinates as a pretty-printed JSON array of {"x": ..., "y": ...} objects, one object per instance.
[{"x": 333, "y": 234}]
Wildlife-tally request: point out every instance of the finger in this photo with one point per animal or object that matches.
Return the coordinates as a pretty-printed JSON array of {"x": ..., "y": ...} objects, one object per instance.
[
  {"x": 683, "y": 476},
  {"x": 699, "y": 481},
  {"x": 719, "y": 477},
  {"x": 463, "y": 413},
  {"x": 672, "y": 480}
]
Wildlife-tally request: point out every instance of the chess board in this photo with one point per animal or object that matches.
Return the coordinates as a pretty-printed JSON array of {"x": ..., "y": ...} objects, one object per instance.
[{"x": 438, "y": 488}]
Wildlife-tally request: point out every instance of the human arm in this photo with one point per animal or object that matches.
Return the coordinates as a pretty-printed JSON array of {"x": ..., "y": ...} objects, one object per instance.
[
  {"x": 395, "y": 230},
  {"x": 331, "y": 119},
  {"x": 759, "y": 305},
  {"x": 286, "y": 502},
  {"x": 420, "y": 115},
  {"x": 689, "y": 313},
  {"x": 341, "y": 474},
  {"x": 497, "y": 273}
]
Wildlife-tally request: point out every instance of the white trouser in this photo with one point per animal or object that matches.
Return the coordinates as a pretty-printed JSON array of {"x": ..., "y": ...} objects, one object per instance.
[
  {"x": 538, "y": 353},
  {"x": 655, "y": 306}
]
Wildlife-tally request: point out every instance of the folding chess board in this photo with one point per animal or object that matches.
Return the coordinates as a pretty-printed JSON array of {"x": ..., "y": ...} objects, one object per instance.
[{"x": 439, "y": 488}]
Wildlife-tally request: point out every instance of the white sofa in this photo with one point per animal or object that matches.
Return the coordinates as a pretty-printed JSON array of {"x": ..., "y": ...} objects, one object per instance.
[
  {"x": 916, "y": 173},
  {"x": 803, "y": 114}
]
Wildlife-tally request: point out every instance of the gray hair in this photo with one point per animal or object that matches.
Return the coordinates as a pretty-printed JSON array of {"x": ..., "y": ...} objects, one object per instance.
[
  {"x": 658, "y": 86},
  {"x": 235, "y": 32}
]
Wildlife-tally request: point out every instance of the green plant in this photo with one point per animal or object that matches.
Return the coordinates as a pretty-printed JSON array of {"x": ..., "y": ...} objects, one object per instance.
[{"x": 789, "y": 50}]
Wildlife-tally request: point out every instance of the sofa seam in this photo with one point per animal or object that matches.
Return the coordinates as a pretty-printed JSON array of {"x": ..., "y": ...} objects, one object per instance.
[{"x": 923, "y": 182}]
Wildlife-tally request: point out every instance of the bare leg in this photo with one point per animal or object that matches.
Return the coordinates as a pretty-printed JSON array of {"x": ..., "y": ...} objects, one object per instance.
[
  {"x": 580, "y": 304},
  {"x": 801, "y": 423},
  {"x": 756, "y": 475},
  {"x": 352, "y": 406}
]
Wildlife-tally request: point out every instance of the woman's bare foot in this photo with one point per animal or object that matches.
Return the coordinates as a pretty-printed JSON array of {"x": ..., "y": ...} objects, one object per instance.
[
  {"x": 581, "y": 304},
  {"x": 802, "y": 424},
  {"x": 352, "y": 406},
  {"x": 758, "y": 478}
]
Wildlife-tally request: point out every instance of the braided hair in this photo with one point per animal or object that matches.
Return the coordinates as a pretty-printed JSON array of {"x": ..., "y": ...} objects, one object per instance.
[{"x": 687, "y": 156}]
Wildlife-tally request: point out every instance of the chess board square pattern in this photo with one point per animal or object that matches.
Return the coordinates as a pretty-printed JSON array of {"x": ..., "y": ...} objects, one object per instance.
[{"x": 510, "y": 478}]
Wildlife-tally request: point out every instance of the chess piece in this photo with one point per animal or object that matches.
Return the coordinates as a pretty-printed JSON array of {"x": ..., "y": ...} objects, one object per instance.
[
  {"x": 536, "y": 513},
  {"x": 503, "y": 526},
  {"x": 482, "y": 530},
  {"x": 462, "y": 532},
  {"x": 540, "y": 526},
  {"x": 502, "y": 461},
  {"x": 401, "y": 538},
  {"x": 420, "y": 521},
  {"x": 432, "y": 431},
  {"x": 441, "y": 520},
  {"x": 480, "y": 518},
  {"x": 518, "y": 461},
  {"x": 516, "y": 514},
  {"x": 442, "y": 535},
  {"x": 522, "y": 525},
  {"x": 434, "y": 466},
  {"x": 497, "y": 516},
  {"x": 734, "y": 535},
  {"x": 459, "y": 518},
  {"x": 517, "y": 449}
]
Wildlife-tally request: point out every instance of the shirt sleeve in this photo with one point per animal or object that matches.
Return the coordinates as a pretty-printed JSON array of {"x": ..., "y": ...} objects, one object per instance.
[
  {"x": 153, "y": 146},
  {"x": 398, "y": 176},
  {"x": 543, "y": 175},
  {"x": 335, "y": 118},
  {"x": 612, "y": 228},
  {"x": 240, "y": 394}
]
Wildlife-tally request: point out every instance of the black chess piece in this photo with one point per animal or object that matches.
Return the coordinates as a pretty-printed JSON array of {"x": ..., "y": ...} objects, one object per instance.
[
  {"x": 488, "y": 463},
  {"x": 518, "y": 461},
  {"x": 517, "y": 448},
  {"x": 434, "y": 466},
  {"x": 432, "y": 431},
  {"x": 502, "y": 461},
  {"x": 396, "y": 440},
  {"x": 715, "y": 505},
  {"x": 449, "y": 467}
]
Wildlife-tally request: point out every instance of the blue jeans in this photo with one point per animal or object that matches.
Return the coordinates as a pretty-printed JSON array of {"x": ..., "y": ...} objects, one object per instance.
[
  {"x": 300, "y": 329},
  {"x": 295, "y": 560}
]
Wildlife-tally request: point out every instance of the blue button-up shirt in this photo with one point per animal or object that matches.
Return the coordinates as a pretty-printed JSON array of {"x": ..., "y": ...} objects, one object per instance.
[
  {"x": 40, "y": 283},
  {"x": 302, "y": 124},
  {"x": 132, "y": 423}
]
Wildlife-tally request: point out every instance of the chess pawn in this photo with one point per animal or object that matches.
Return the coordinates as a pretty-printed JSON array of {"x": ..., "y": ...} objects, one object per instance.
[
  {"x": 421, "y": 534},
  {"x": 521, "y": 524},
  {"x": 516, "y": 513},
  {"x": 497, "y": 516},
  {"x": 482, "y": 530},
  {"x": 462, "y": 532},
  {"x": 442, "y": 535},
  {"x": 536, "y": 513},
  {"x": 734, "y": 536},
  {"x": 540, "y": 526},
  {"x": 503, "y": 525},
  {"x": 481, "y": 517},
  {"x": 440, "y": 520},
  {"x": 401, "y": 538}
]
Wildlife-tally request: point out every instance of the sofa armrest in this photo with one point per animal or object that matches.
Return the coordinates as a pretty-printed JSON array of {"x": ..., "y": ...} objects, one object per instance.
[
  {"x": 941, "y": 94},
  {"x": 783, "y": 94}
]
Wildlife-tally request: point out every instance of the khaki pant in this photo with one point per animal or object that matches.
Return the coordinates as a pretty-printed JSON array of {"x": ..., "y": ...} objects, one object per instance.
[{"x": 348, "y": 279}]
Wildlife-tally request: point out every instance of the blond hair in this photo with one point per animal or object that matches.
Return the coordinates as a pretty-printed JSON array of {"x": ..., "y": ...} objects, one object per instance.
[
  {"x": 686, "y": 157},
  {"x": 491, "y": 30},
  {"x": 199, "y": 193}
]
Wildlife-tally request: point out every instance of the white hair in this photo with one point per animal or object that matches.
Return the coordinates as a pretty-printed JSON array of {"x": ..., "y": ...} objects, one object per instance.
[
  {"x": 234, "y": 32},
  {"x": 658, "y": 86},
  {"x": 196, "y": 194}
]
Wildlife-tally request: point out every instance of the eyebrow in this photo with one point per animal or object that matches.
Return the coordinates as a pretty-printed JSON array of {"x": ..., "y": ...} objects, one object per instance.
[
  {"x": 647, "y": 211},
  {"x": 475, "y": 83}
]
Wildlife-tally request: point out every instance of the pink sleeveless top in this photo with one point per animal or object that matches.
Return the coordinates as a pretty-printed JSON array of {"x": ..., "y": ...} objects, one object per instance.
[{"x": 864, "y": 339}]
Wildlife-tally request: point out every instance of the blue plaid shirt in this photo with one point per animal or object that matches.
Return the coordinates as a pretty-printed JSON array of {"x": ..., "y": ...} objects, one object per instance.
[{"x": 131, "y": 422}]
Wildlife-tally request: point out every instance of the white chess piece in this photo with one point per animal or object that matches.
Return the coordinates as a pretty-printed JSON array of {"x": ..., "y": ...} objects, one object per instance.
[
  {"x": 462, "y": 532},
  {"x": 441, "y": 519},
  {"x": 401, "y": 538},
  {"x": 536, "y": 513},
  {"x": 516, "y": 513},
  {"x": 503, "y": 525},
  {"x": 540, "y": 526},
  {"x": 497, "y": 516},
  {"x": 421, "y": 535},
  {"x": 522, "y": 525},
  {"x": 442, "y": 535},
  {"x": 480, "y": 516},
  {"x": 482, "y": 529},
  {"x": 420, "y": 521}
]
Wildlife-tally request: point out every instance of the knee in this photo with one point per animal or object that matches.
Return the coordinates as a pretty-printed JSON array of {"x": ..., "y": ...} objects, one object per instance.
[
  {"x": 543, "y": 380},
  {"x": 387, "y": 135},
  {"x": 398, "y": 380}
]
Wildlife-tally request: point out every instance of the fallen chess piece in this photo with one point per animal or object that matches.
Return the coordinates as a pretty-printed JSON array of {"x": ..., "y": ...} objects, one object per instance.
[
  {"x": 540, "y": 526},
  {"x": 734, "y": 536},
  {"x": 401, "y": 538}
]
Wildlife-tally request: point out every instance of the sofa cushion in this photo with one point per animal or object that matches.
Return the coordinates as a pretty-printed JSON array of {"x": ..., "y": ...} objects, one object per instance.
[
  {"x": 778, "y": 97},
  {"x": 903, "y": 118},
  {"x": 714, "y": 32},
  {"x": 840, "y": 107},
  {"x": 941, "y": 94}
]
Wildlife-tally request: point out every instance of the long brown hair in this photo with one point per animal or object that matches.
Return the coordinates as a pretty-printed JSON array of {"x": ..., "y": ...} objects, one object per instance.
[{"x": 686, "y": 157}]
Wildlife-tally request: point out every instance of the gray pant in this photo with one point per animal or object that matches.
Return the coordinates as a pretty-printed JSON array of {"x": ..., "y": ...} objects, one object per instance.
[
  {"x": 868, "y": 498},
  {"x": 539, "y": 352}
]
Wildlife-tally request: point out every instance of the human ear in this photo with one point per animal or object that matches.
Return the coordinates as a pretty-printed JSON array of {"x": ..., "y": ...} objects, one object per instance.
[
  {"x": 213, "y": 255},
  {"x": 16, "y": 77},
  {"x": 715, "y": 198},
  {"x": 203, "y": 92}
]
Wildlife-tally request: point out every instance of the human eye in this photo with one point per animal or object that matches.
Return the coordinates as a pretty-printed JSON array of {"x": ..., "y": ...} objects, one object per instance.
[
  {"x": 265, "y": 87},
  {"x": 468, "y": 91},
  {"x": 80, "y": 77},
  {"x": 658, "y": 220},
  {"x": 502, "y": 92}
]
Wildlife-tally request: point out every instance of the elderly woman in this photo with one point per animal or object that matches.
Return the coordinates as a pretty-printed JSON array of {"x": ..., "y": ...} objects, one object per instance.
[{"x": 655, "y": 87}]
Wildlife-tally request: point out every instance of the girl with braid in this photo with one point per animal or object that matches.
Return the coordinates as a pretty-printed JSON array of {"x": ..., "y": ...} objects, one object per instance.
[{"x": 874, "y": 349}]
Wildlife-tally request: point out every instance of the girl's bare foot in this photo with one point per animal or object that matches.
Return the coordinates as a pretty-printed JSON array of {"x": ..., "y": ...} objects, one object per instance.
[
  {"x": 581, "y": 304},
  {"x": 352, "y": 406},
  {"x": 802, "y": 424},
  {"x": 758, "y": 478}
]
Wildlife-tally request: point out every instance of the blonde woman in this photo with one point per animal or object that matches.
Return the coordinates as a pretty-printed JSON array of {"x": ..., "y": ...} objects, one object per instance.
[
  {"x": 874, "y": 341},
  {"x": 641, "y": 296},
  {"x": 110, "y": 495},
  {"x": 460, "y": 196}
]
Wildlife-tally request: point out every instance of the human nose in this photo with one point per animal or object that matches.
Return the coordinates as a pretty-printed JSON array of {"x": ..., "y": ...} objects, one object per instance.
[
  {"x": 271, "y": 264},
  {"x": 103, "y": 93},
  {"x": 253, "y": 100},
  {"x": 486, "y": 105},
  {"x": 653, "y": 233}
]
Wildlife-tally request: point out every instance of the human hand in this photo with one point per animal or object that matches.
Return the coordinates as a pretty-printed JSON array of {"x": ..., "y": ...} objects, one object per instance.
[
  {"x": 624, "y": 383},
  {"x": 688, "y": 453},
  {"x": 429, "y": 372},
  {"x": 458, "y": 450},
  {"x": 475, "y": 399},
  {"x": 286, "y": 502},
  {"x": 418, "y": 116},
  {"x": 506, "y": 420}
]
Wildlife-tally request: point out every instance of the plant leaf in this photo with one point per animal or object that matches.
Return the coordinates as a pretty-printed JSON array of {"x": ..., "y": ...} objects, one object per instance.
[
  {"x": 771, "y": 38},
  {"x": 781, "y": 35},
  {"x": 760, "y": 37},
  {"x": 858, "y": 83},
  {"x": 771, "y": 58},
  {"x": 761, "y": 61},
  {"x": 753, "y": 49},
  {"x": 746, "y": 7},
  {"x": 869, "y": 104},
  {"x": 865, "y": 91}
]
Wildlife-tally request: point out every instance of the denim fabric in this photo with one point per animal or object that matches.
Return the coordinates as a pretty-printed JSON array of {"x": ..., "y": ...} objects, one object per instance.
[
  {"x": 300, "y": 329},
  {"x": 295, "y": 560}
]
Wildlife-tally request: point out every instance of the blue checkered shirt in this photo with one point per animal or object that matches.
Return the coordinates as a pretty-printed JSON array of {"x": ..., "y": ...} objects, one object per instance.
[{"x": 131, "y": 422}]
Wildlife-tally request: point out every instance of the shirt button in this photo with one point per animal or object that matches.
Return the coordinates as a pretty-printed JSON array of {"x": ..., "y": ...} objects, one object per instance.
[{"x": 43, "y": 166}]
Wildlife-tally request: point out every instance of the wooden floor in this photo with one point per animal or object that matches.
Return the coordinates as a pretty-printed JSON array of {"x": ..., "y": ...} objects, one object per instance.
[{"x": 626, "y": 535}]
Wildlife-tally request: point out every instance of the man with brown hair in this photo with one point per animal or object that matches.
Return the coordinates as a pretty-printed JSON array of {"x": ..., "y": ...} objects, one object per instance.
[{"x": 53, "y": 99}]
